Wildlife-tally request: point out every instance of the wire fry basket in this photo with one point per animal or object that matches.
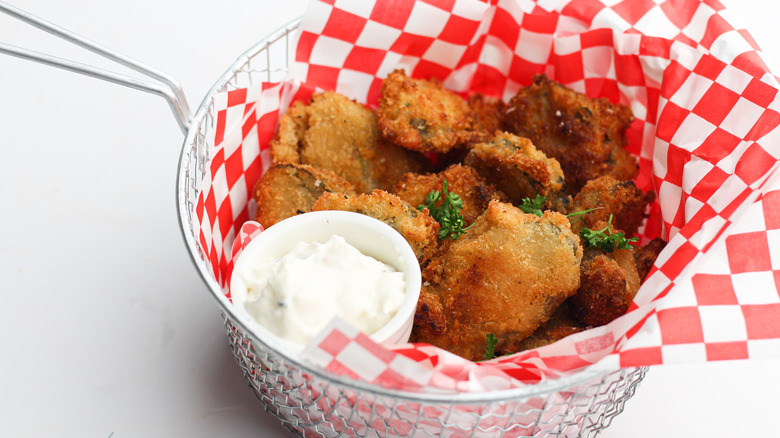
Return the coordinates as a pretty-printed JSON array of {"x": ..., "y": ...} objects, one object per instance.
[
  {"x": 307, "y": 400},
  {"x": 312, "y": 403}
]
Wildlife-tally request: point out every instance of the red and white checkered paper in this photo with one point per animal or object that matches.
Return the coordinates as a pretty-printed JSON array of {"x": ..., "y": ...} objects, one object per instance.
[{"x": 706, "y": 137}]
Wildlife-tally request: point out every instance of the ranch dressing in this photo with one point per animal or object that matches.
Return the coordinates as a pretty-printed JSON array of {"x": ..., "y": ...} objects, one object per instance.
[{"x": 295, "y": 296}]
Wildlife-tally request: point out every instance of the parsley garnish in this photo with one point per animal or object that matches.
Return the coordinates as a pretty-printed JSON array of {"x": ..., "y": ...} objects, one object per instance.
[
  {"x": 490, "y": 347},
  {"x": 605, "y": 240},
  {"x": 448, "y": 214},
  {"x": 582, "y": 212},
  {"x": 533, "y": 206}
]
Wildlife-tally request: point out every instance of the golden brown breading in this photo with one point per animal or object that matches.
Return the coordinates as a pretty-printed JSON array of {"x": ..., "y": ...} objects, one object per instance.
[
  {"x": 622, "y": 199},
  {"x": 387, "y": 163},
  {"x": 342, "y": 136},
  {"x": 430, "y": 318},
  {"x": 587, "y": 136},
  {"x": 462, "y": 180},
  {"x": 560, "y": 203},
  {"x": 421, "y": 114},
  {"x": 525, "y": 279},
  {"x": 560, "y": 325},
  {"x": 288, "y": 138},
  {"x": 285, "y": 190},
  {"x": 625, "y": 259},
  {"x": 608, "y": 284},
  {"x": 516, "y": 167},
  {"x": 505, "y": 275},
  {"x": 487, "y": 117},
  {"x": 417, "y": 227},
  {"x": 645, "y": 256}
]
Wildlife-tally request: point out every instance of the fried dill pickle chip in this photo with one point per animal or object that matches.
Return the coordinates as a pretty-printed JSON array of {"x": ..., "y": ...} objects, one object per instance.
[
  {"x": 506, "y": 276},
  {"x": 587, "y": 136},
  {"x": 487, "y": 117},
  {"x": 286, "y": 190},
  {"x": 421, "y": 114},
  {"x": 516, "y": 167},
  {"x": 472, "y": 189},
  {"x": 608, "y": 284},
  {"x": 608, "y": 196},
  {"x": 341, "y": 135},
  {"x": 417, "y": 227},
  {"x": 287, "y": 142},
  {"x": 645, "y": 256}
]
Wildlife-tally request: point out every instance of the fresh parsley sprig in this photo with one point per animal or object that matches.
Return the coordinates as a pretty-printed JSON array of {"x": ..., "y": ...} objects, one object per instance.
[
  {"x": 447, "y": 214},
  {"x": 533, "y": 206},
  {"x": 582, "y": 212},
  {"x": 605, "y": 240},
  {"x": 490, "y": 346}
]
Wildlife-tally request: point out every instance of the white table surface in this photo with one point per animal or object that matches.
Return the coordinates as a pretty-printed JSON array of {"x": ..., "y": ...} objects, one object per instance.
[{"x": 106, "y": 329}]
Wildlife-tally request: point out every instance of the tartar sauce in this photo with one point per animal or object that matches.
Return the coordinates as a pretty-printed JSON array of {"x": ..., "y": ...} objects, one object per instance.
[{"x": 295, "y": 296}]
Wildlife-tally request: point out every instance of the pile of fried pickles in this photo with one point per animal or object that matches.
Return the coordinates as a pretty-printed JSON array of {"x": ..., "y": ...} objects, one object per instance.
[{"x": 522, "y": 214}]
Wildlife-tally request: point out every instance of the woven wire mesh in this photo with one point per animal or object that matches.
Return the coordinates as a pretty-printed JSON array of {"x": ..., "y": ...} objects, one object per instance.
[
  {"x": 313, "y": 404},
  {"x": 315, "y": 407}
]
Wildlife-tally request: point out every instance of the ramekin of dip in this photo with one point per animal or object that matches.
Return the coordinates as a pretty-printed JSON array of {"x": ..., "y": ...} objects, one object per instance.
[{"x": 295, "y": 277}]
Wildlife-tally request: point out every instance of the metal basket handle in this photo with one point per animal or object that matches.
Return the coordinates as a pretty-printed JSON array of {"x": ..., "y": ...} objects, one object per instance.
[{"x": 170, "y": 88}]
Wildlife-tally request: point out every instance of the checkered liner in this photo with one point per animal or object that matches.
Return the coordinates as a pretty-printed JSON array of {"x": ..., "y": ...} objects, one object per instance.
[{"x": 706, "y": 137}]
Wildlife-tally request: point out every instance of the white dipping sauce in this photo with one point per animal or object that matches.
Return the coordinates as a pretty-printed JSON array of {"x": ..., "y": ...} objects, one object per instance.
[{"x": 295, "y": 296}]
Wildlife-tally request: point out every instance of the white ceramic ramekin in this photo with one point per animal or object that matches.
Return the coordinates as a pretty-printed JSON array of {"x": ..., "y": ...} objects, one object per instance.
[{"x": 371, "y": 236}]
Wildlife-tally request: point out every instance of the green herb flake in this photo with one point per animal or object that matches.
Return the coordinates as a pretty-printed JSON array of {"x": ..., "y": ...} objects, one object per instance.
[
  {"x": 533, "y": 206},
  {"x": 490, "y": 346},
  {"x": 605, "y": 240},
  {"x": 453, "y": 225},
  {"x": 582, "y": 212}
]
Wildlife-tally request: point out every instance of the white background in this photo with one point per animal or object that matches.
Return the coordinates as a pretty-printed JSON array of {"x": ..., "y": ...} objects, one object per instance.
[{"x": 106, "y": 329}]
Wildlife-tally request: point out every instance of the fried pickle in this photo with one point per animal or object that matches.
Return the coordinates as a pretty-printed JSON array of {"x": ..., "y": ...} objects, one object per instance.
[
  {"x": 475, "y": 193},
  {"x": 505, "y": 275},
  {"x": 487, "y": 117},
  {"x": 587, "y": 136},
  {"x": 516, "y": 167},
  {"x": 609, "y": 196},
  {"x": 421, "y": 114},
  {"x": 608, "y": 284},
  {"x": 645, "y": 256},
  {"x": 341, "y": 135},
  {"x": 527, "y": 280},
  {"x": 417, "y": 227},
  {"x": 288, "y": 140},
  {"x": 286, "y": 190}
]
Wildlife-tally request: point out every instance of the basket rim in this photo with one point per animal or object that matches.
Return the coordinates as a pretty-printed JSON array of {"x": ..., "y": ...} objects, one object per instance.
[{"x": 546, "y": 387}]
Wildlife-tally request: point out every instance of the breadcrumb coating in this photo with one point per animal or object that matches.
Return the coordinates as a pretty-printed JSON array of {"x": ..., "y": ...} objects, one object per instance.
[
  {"x": 335, "y": 133},
  {"x": 516, "y": 167},
  {"x": 475, "y": 193},
  {"x": 421, "y": 114},
  {"x": 417, "y": 227},
  {"x": 286, "y": 190},
  {"x": 506, "y": 275},
  {"x": 587, "y": 136}
]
